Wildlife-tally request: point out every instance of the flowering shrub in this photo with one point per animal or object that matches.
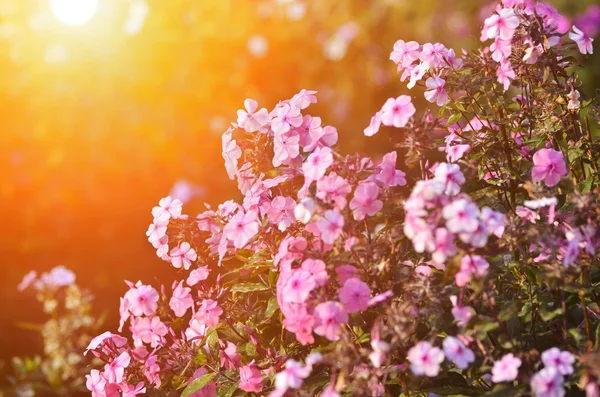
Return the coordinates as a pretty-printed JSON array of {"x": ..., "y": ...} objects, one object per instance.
[
  {"x": 474, "y": 272},
  {"x": 61, "y": 369}
]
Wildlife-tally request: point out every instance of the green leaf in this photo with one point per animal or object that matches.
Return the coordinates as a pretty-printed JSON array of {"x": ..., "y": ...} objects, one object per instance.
[
  {"x": 249, "y": 287},
  {"x": 501, "y": 391},
  {"x": 484, "y": 324},
  {"x": 198, "y": 384},
  {"x": 272, "y": 306},
  {"x": 227, "y": 390},
  {"x": 509, "y": 311},
  {"x": 454, "y": 118},
  {"x": 549, "y": 315}
]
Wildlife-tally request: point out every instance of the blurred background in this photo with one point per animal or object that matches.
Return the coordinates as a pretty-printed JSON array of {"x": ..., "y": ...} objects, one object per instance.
[{"x": 108, "y": 105}]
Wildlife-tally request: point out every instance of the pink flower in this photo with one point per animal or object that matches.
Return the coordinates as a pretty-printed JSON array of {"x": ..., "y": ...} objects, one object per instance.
[
  {"x": 167, "y": 208},
  {"x": 96, "y": 383},
  {"x": 584, "y": 42},
  {"x": 298, "y": 321},
  {"x": 183, "y": 255},
  {"x": 142, "y": 300},
  {"x": 281, "y": 212},
  {"x": 505, "y": 74},
  {"x": 231, "y": 153},
  {"x": 209, "y": 312},
  {"x": 286, "y": 117},
  {"x": 299, "y": 286},
  {"x": 230, "y": 358},
  {"x": 156, "y": 231},
  {"x": 433, "y": 55},
  {"x": 387, "y": 174},
  {"x": 444, "y": 246},
  {"x": 250, "y": 378},
  {"x": 548, "y": 383},
  {"x": 197, "y": 275},
  {"x": 317, "y": 269},
  {"x": 286, "y": 147},
  {"x": 425, "y": 359},
  {"x": 114, "y": 371},
  {"x": 493, "y": 220},
  {"x": 405, "y": 53},
  {"x": 461, "y": 216},
  {"x": 397, "y": 112},
  {"x": 501, "y": 49},
  {"x": 131, "y": 390},
  {"x": 28, "y": 279},
  {"x": 451, "y": 176},
  {"x": 328, "y": 317},
  {"x": 152, "y": 370},
  {"x": 437, "y": 92},
  {"x": 292, "y": 376},
  {"x": 58, "y": 277},
  {"x": 116, "y": 341},
  {"x": 148, "y": 330},
  {"x": 346, "y": 272},
  {"x": 196, "y": 331},
  {"x": 365, "y": 201},
  {"x": 549, "y": 165},
  {"x": 181, "y": 300},
  {"x": 374, "y": 125},
  {"x": 250, "y": 119},
  {"x": 317, "y": 163},
  {"x": 355, "y": 295},
  {"x": 458, "y": 353},
  {"x": 304, "y": 98},
  {"x": 462, "y": 314},
  {"x": 241, "y": 228},
  {"x": 333, "y": 188},
  {"x": 561, "y": 360},
  {"x": 330, "y": 226},
  {"x": 507, "y": 369},
  {"x": 502, "y": 24},
  {"x": 304, "y": 210}
]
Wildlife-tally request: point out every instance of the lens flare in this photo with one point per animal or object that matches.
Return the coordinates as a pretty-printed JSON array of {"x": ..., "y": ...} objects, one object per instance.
[{"x": 74, "y": 12}]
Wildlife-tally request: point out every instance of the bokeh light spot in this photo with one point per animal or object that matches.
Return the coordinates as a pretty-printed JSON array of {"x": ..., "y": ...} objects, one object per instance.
[{"x": 74, "y": 12}]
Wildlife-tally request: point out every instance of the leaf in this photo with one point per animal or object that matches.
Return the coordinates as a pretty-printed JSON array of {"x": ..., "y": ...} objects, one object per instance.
[
  {"x": 249, "y": 287},
  {"x": 484, "y": 324},
  {"x": 272, "y": 306},
  {"x": 198, "y": 384},
  {"x": 549, "y": 315},
  {"x": 227, "y": 390},
  {"x": 454, "y": 118},
  {"x": 501, "y": 391},
  {"x": 509, "y": 311}
]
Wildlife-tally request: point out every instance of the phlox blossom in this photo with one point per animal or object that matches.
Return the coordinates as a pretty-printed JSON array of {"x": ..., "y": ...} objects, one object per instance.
[
  {"x": 549, "y": 166},
  {"x": 241, "y": 228},
  {"x": 458, "y": 353},
  {"x": 425, "y": 359},
  {"x": 405, "y": 53},
  {"x": 148, "y": 330},
  {"x": 115, "y": 370},
  {"x": 584, "y": 42},
  {"x": 95, "y": 382},
  {"x": 141, "y": 299},
  {"x": 183, "y": 255},
  {"x": 506, "y": 369},
  {"x": 561, "y": 360},
  {"x": 298, "y": 286},
  {"x": 250, "y": 378},
  {"x": 292, "y": 376},
  {"x": 461, "y": 216},
  {"x": 250, "y": 119},
  {"x": 317, "y": 163},
  {"x": 209, "y": 312},
  {"x": 229, "y": 357},
  {"x": 451, "y": 176},
  {"x": 365, "y": 201},
  {"x": 328, "y": 317},
  {"x": 181, "y": 300},
  {"x": 547, "y": 383},
  {"x": 503, "y": 24},
  {"x": 437, "y": 93},
  {"x": 331, "y": 226},
  {"x": 167, "y": 208},
  {"x": 355, "y": 295},
  {"x": 397, "y": 112}
]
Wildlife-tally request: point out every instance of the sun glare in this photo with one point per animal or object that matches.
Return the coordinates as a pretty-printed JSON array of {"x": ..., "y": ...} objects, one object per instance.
[{"x": 74, "y": 12}]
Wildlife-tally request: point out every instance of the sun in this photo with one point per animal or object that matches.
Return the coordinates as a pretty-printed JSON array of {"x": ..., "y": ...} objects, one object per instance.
[{"x": 74, "y": 12}]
